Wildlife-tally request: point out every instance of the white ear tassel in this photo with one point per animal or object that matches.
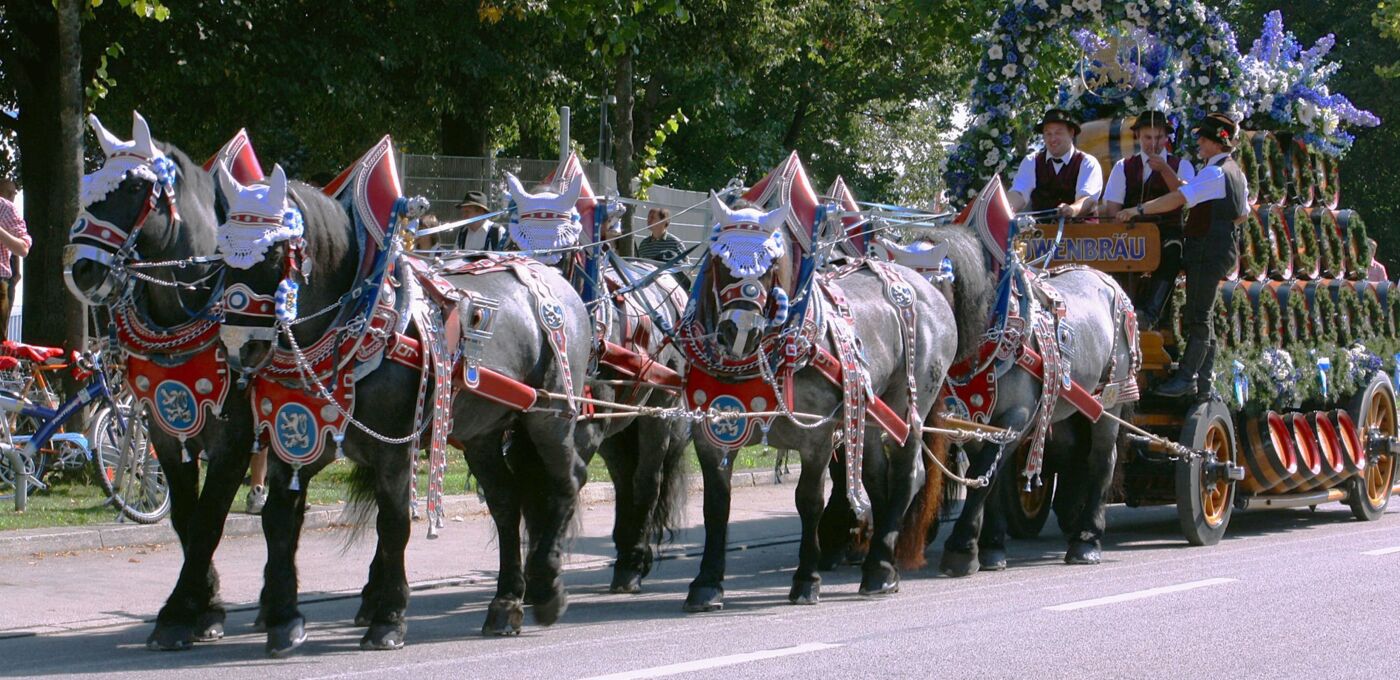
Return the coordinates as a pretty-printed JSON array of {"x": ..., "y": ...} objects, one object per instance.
[
  {"x": 277, "y": 186},
  {"x": 517, "y": 191},
  {"x": 107, "y": 140},
  {"x": 141, "y": 135}
]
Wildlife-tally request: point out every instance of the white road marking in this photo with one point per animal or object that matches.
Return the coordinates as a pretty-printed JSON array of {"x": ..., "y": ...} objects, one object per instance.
[
  {"x": 715, "y": 662},
  {"x": 1139, "y": 594},
  {"x": 1382, "y": 551}
]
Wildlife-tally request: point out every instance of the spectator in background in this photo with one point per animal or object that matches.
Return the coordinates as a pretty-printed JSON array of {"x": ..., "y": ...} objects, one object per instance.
[
  {"x": 482, "y": 234},
  {"x": 662, "y": 245},
  {"x": 1376, "y": 272},
  {"x": 428, "y": 242},
  {"x": 14, "y": 244}
]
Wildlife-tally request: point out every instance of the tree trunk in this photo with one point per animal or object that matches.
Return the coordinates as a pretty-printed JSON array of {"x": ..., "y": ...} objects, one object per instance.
[
  {"x": 623, "y": 150},
  {"x": 464, "y": 133},
  {"x": 50, "y": 145},
  {"x": 794, "y": 130}
]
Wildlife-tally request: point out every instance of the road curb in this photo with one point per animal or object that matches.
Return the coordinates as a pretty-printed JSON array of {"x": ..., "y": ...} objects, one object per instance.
[{"x": 24, "y": 542}]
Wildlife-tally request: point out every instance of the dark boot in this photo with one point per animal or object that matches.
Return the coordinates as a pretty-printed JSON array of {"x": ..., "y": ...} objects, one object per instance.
[
  {"x": 1205, "y": 383},
  {"x": 1182, "y": 384}
]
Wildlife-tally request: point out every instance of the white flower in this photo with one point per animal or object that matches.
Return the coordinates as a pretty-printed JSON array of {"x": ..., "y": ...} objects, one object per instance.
[
  {"x": 985, "y": 145},
  {"x": 1009, "y": 70},
  {"x": 1306, "y": 112},
  {"x": 994, "y": 53},
  {"x": 1042, "y": 4},
  {"x": 988, "y": 162},
  {"x": 1181, "y": 40},
  {"x": 1202, "y": 80},
  {"x": 1067, "y": 10}
]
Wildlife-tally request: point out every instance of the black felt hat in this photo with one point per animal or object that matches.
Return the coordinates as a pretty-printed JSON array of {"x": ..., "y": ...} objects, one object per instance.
[
  {"x": 1152, "y": 118},
  {"x": 1217, "y": 127},
  {"x": 475, "y": 198},
  {"x": 1058, "y": 116}
]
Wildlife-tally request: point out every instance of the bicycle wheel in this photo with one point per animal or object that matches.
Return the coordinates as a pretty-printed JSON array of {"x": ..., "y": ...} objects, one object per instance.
[{"x": 127, "y": 467}]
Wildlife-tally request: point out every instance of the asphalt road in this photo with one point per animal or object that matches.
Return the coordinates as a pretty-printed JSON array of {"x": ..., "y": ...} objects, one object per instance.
[{"x": 1289, "y": 593}]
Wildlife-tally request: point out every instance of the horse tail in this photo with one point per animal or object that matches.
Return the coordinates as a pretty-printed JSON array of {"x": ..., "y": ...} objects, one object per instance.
[
  {"x": 923, "y": 512},
  {"x": 973, "y": 287},
  {"x": 361, "y": 507},
  {"x": 670, "y": 500}
]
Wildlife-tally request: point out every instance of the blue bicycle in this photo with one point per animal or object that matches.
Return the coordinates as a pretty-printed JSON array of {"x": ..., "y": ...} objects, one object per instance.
[{"x": 115, "y": 443}]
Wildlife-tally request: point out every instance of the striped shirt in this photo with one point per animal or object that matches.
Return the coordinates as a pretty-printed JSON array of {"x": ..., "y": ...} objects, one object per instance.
[
  {"x": 661, "y": 249},
  {"x": 13, "y": 222}
]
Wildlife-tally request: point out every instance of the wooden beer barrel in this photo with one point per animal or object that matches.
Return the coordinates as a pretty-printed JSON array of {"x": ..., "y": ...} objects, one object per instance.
[
  {"x": 1351, "y": 229},
  {"x": 1267, "y": 453},
  {"x": 1295, "y": 321},
  {"x": 1353, "y": 448},
  {"x": 1107, "y": 139},
  {"x": 1330, "y": 452},
  {"x": 1309, "y": 460},
  {"x": 1332, "y": 245}
]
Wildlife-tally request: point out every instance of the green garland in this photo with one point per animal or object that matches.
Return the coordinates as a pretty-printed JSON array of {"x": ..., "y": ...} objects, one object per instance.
[
  {"x": 1271, "y": 179},
  {"x": 1249, "y": 164},
  {"x": 1255, "y": 250},
  {"x": 1242, "y": 322},
  {"x": 1351, "y": 318},
  {"x": 1306, "y": 253},
  {"x": 1297, "y": 322},
  {"x": 1280, "y": 246},
  {"x": 1334, "y": 248},
  {"x": 1267, "y": 317},
  {"x": 1304, "y": 175},
  {"x": 1323, "y": 313},
  {"x": 1222, "y": 318},
  {"x": 1381, "y": 327},
  {"x": 1358, "y": 244},
  {"x": 1174, "y": 317},
  {"x": 1328, "y": 181},
  {"x": 1392, "y": 307}
]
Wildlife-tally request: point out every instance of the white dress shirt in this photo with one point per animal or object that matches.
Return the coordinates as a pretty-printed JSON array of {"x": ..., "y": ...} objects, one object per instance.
[
  {"x": 1208, "y": 185},
  {"x": 1117, "y": 187},
  {"x": 1090, "y": 175}
]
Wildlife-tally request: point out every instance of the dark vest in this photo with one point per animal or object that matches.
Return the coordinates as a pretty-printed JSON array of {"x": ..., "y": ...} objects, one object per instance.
[
  {"x": 1223, "y": 211},
  {"x": 1052, "y": 189},
  {"x": 1138, "y": 193}
]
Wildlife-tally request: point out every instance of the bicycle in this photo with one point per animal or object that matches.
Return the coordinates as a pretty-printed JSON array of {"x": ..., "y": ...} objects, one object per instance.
[{"x": 116, "y": 442}]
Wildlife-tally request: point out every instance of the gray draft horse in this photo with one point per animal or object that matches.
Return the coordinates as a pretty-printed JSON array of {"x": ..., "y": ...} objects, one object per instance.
[
  {"x": 538, "y": 478},
  {"x": 644, "y": 454},
  {"x": 729, "y": 311},
  {"x": 159, "y": 227},
  {"x": 1083, "y": 451}
]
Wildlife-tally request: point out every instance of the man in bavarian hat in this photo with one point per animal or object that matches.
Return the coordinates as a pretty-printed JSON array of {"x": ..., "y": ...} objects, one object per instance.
[
  {"x": 482, "y": 234},
  {"x": 1219, "y": 200},
  {"x": 1151, "y": 173},
  {"x": 1059, "y": 177}
]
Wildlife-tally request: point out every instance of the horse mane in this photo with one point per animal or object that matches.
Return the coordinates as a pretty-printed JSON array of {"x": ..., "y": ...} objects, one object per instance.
[
  {"x": 973, "y": 288},
  {"x": 328, "y": 226},
  {"x": 196, "y": 196}
]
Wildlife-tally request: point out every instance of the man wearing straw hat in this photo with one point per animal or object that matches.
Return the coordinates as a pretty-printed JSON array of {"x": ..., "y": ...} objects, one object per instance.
[
  {"x": 1059, "y": 177},
  {"x": 1219, "y": 200},
  {"x": 1151, "y": 173}
]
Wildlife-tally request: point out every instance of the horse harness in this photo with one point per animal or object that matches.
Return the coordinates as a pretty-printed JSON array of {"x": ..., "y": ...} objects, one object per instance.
[{"x": 1045, "y": 351}]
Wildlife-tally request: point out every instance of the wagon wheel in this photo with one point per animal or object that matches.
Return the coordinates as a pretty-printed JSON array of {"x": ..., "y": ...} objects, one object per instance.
[
  {"x": 1026, "y": 511},
  {"x": 1374, "y": 407},
  {"x": 1205, "y": 496}
]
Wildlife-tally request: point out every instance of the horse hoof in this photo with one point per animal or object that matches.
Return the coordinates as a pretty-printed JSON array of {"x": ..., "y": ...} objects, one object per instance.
[
  {"x": 704, "y": 599},
  {"x": 547, "y": 613},
  {"x": 503, "y": 618},
  {"x": 383, "y": 637},
  {"x": 957, "y": 563},
  {"x": 626, "y": 582},
  {"x": 882, "y": 580},
  {"x": 284, "y": 639},
  {"x": 1081, "y": 552},
  {"x": 805, "y": 592},
  {"x": 210, "y": 626},
  {"x": 992, "y": 559},
  {"x": 170, "y": 638}
]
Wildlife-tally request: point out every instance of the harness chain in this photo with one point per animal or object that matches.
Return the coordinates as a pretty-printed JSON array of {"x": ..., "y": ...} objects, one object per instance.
[
  {"x": 854, "y": 386},
  {"x": 901, "y": 295}
]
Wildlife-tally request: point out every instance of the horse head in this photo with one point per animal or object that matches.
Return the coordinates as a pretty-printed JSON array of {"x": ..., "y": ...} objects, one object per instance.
[
  {"x": 261, "y": 287},
  {"x": 744, "y": 246},
  {"x": 129, "y": 210},
  {"x": 544, "y": 224}
]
